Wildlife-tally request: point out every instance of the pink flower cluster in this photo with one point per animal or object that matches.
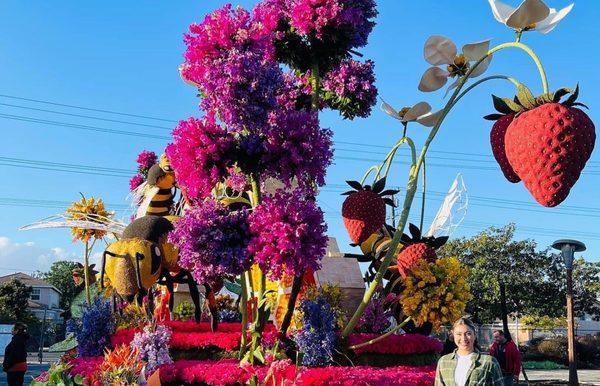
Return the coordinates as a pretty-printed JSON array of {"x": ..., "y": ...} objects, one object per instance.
[
  {"x": 288, "y": 234},
  {"x": 310, "y": 17},
  {"x": 136, "y": 181},
  {"x": 146, "y": 159},
  {"x": 228, "y": 372},
  {"x": 406, "y": 344},
  {"x": 85, "y": 366},
  {"x": 350, "y": 88},
  {"x": 199, "y": 155}
]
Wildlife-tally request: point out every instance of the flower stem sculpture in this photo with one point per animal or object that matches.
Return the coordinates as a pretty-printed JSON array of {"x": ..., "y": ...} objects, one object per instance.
[
  {"x": 92, "y": 210},
  {"x": 571, "y": 128}
]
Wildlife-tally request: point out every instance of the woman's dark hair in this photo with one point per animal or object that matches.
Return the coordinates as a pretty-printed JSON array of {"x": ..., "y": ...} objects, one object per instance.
[{"x": 20, "y": 327}]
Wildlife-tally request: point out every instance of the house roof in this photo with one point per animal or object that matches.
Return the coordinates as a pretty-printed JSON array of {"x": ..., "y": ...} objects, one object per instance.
[{"x": 27, "y": 280}]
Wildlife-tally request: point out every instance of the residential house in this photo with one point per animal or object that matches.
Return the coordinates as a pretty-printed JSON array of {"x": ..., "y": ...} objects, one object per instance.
[{"x": 44, "y": 298}]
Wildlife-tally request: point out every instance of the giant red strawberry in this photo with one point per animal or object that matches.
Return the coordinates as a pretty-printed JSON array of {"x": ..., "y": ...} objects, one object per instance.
[
  {"x": 497, "y": 135},
  {"x": 363, "y": 211},
  {"x": 549, "y": 144},
  {"x": 415, "y": 249}
]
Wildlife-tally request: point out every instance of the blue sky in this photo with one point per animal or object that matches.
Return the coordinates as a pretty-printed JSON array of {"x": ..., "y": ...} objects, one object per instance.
[{"x": 123, "y": 57}]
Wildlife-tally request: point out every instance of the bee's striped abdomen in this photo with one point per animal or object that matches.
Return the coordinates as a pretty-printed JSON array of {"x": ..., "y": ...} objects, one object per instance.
[{"x": 161, "y": 203}]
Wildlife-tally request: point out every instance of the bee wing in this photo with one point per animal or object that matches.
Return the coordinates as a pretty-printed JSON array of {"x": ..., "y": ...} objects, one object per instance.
[
  {"x": 90, "y": 221},
  {"x": 149, "y": 193},
  {"x": 452, "y": 211}
]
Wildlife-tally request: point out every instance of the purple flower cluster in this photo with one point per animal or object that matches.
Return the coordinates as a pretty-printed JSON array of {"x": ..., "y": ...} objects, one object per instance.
[
  {"x": 288, "y": 234},
  {"x": 153, "y": 346},
  {"x": 297, "y": 147},
  {"x": 376, "y": 318},
  {"x": 350, "y": 89},
  {"x": 239, "y": 86},
  {"x": 212, "y": 241},
  {"x": 228, "y": 58},
  {"x": 200, "y": 156}
]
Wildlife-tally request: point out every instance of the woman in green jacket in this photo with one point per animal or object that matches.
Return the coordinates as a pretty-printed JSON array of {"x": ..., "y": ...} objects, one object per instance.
[{"x": 466, "y": 366}]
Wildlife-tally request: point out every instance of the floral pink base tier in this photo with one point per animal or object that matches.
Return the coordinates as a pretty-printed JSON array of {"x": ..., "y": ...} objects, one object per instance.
[
  {"x": 229, "y": 372},
  {"x": 193, "y": 336}
]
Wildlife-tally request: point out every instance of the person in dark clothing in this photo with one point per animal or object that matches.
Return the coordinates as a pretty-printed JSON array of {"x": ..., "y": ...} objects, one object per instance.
[
  {"x": 15, "y": 356},
  {"x": 507, "y": 354}
]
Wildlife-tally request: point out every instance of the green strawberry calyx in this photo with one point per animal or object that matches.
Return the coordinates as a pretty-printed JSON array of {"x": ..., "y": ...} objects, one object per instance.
[{"x": 525, "y": 100}]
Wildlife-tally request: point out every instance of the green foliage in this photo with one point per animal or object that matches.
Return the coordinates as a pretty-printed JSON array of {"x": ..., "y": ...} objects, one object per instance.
[
  {"x": 58, "y": 374},
  {"x": 60, "y": 275},
  {"x": 542, "y": 365},
  {"x": 14, "y": 297},
  {"x": 132, "y": 316},
  {"x": 543, "y": 323},
  {"x": 68, "y": 344},
  {"x": 534, "y": 278},
  {"x": 79, "y": 302},
  {"x": 184, "y": 311}
]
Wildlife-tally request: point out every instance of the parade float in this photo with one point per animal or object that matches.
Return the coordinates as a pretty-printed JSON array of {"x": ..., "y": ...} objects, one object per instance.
[{"x": 229, "y": 211}]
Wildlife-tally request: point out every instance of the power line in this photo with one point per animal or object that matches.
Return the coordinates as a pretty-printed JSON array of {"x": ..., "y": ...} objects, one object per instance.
[
  {"x": 86, "y": 116},
  {"x": 175, "y": 121},
  {"x": 82, "y": 127},
  {"x": 87, "y": 108}
]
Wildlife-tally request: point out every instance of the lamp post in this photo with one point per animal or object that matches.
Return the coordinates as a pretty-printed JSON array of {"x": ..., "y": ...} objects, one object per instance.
[{"x": 567, "y": 249}]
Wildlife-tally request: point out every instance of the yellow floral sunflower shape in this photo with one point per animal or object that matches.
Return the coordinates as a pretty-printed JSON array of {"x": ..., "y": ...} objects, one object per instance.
[
  {"x": 91, "y": 210},
  {"x": 436, "y": 292}
]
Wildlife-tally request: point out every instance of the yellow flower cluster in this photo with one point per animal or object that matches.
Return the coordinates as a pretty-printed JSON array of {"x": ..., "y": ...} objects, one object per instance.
[
  {"x": 90, "y": 210},
  {"x": 436, "y": 292}
]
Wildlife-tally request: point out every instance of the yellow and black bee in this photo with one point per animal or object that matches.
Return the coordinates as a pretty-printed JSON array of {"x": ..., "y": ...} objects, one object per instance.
[
  {"x": 159, "y": 190},
  {"x": 126, "y": 268}
]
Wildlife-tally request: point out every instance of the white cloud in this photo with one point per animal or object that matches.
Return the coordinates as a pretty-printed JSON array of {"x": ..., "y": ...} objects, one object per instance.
[{"x": 28, "y": 256}]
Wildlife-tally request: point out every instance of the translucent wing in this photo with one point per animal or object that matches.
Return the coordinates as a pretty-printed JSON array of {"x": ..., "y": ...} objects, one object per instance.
[
  {"x": 90, "y": 221},
  {"x": 452, "y": 211},
  {"x": 149, "y": 193}
]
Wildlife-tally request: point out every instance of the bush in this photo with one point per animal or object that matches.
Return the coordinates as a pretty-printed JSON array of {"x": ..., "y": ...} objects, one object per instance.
[
  {"x": 184, "y": 311},
  {"x": 556, "y": 349},
  {"x": 542, "y": 365}
]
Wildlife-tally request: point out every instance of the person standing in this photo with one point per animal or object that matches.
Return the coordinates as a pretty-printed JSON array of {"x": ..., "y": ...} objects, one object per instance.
[
  {"x": 508, "y": 356},
  {"x": 449, "y": 345},
  {"x": 15, "y": 356},
  {"x": 466, "y": 366}
]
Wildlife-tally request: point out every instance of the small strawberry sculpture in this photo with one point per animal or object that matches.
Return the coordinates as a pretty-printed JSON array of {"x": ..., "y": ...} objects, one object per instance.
[
  {"x": 416, "y": 247},
  {"x": 363, "y": 210},
  {"x": 548, "y": 143},
  {"x": 497, "y": 134}
]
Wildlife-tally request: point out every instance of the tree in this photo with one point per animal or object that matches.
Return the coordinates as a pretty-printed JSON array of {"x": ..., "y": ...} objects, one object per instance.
[
  {"x": 534, "y": 279},
  {"x": 14, "y": 296},
  {"x": 60, "y": 275},
  {"x": 528, "y": 274},
  {"x": 586, "y": 288}
]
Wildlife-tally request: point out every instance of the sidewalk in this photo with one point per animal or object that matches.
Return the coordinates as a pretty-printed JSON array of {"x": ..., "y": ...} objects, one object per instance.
[{"x": 588, "y": 377}]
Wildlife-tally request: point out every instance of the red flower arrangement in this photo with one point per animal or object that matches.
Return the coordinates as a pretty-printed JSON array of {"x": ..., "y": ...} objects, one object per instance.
[
  {"x": 189, "y": 335},
  {"x": 228, "y": 372},
  {"x": 406, "y": 344}
]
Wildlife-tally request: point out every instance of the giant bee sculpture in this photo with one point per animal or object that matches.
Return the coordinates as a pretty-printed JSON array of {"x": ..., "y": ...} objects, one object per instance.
[{"x": 143, "y": 257}]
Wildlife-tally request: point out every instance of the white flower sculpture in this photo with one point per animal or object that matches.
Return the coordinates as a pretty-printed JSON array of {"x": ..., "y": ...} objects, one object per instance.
[
  {"x": 440, "y": 50},
  {"x": 530, "y": 15},
  {"x": 420, "y": 113}
]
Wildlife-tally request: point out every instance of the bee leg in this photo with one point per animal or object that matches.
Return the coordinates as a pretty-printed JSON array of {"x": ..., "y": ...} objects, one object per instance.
[
  {"x": 212, "y": 306},
  {"x": 150, "y": 309},
  {"x": 195, "y": 296},
  {"x": 170, "y": 288}
]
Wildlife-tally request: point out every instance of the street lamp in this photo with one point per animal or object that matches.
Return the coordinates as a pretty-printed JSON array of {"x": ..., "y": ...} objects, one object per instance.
[{"x": 567, "y": 249}]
